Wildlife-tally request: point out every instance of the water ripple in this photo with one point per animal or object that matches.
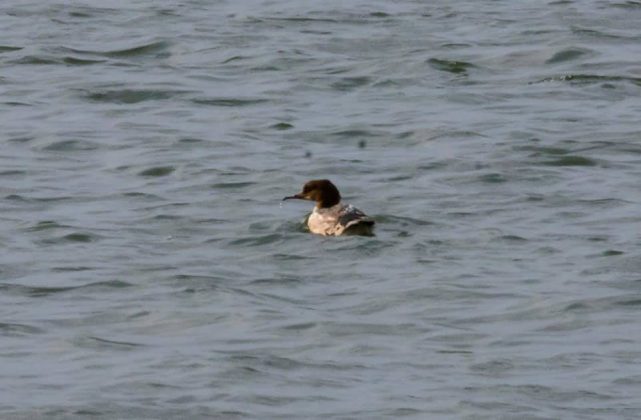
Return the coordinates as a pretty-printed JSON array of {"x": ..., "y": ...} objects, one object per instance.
[
  {"x": 38, "y": 291},
  {"x": 156, "y": 49},
  {"x": 131, "y": 96}
]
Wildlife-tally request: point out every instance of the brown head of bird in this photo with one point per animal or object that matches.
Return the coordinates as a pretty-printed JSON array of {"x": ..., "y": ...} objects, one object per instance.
[{"x": 322, "y": 191}]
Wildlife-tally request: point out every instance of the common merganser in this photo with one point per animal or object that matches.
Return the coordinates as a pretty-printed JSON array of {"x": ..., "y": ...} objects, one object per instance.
[{"x": 330, "y": 217}]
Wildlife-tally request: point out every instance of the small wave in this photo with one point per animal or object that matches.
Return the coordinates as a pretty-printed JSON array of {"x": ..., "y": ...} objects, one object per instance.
[
  {"x": 15, "y": 103},
  {"x": 290, "y": 257},
  {"x": 493, "y": 178},
  {"x": 611, "y": 253},
  {"x": 12, "y": 329},
  {"x": 302, "y": 19},
  {"x": 599, "y": 34},
  {"x": 46, "y": 225},
  {"x": 281, "y": 280},
  {"x": 355, "y": 133},
  {"x": 258, "y": 240},
  {"x": 103, "y": 343},
  {"x": 299, "y": 326},
  {"x": 8, "y": 48},
  {"x": 450, "y": 66},
  {"x": 73, "y": 61},
  {"x": 588, "y": 79},
  {"x": 232, "y": 185},
  {"x": 37, "y": 60},
  {"x": 17, "y": 197},
  {"x": 571, "y": 161},
  {"x": 545, "y": 150},
  {"x": 605, "y": 202},
  {"x": 630, "y": 4},
  {"x": 281, "y": 126},
  {"x": 602, "y": 304},
  {"x": 234, "y": 58},
  {"x": 456, "y": 45},
  {"x": 568, "y": 54},
  {"x": 39, "y": 291},
  {"x": 156, "y": 48},
  {"x": 228, "y": 102},
  {"x": 138, "y": 194},
  {"x": 13, "y": 172},
  {"x": 70, "y": 146},
  {"x": 512, "y": 238},
  {"x": 71, "y": 268},
  {"x": 403, "y": 221},
  {"x": 79, "y": 237},
  {"x": 351, "y": 83},
  {"x": 157, "y": 171},
  {"x": 131, "y": 96}
]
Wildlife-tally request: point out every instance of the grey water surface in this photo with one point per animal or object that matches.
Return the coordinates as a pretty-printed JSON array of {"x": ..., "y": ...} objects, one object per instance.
[{"x": 148, "y": 269}]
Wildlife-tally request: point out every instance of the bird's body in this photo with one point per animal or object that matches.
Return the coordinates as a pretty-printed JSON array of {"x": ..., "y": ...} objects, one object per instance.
[
  {"x": 330, "y": 217},
  {"x": 339, "y": 219}
]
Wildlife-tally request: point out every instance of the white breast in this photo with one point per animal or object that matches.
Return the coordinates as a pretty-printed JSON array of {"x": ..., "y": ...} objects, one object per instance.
[{"x": 325, "y": 221}]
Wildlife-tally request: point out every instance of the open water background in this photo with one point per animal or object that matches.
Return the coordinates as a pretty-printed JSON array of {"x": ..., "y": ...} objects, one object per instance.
[{"x": 149, "y": 271}]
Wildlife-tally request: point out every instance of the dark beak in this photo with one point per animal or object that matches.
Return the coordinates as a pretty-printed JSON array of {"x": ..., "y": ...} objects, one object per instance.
[{"x": 297, "y": 196}]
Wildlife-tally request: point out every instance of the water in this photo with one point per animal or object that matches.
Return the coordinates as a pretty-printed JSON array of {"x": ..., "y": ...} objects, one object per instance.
[{"x": 148, "y": 269}]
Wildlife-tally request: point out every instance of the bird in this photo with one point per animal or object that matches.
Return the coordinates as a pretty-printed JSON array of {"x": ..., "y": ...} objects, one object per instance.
[{"x": 330, "y": 217}]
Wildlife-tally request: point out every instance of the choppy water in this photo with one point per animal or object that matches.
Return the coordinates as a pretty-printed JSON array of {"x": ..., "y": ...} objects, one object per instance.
[{"x": 149, "y": 271}]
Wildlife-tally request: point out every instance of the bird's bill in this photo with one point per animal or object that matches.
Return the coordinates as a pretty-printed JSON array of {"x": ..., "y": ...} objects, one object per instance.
[{"x": 299, "y": 196}]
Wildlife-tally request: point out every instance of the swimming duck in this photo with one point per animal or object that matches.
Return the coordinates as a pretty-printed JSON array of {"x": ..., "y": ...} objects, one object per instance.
[{"x": 330, "y": 217}]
